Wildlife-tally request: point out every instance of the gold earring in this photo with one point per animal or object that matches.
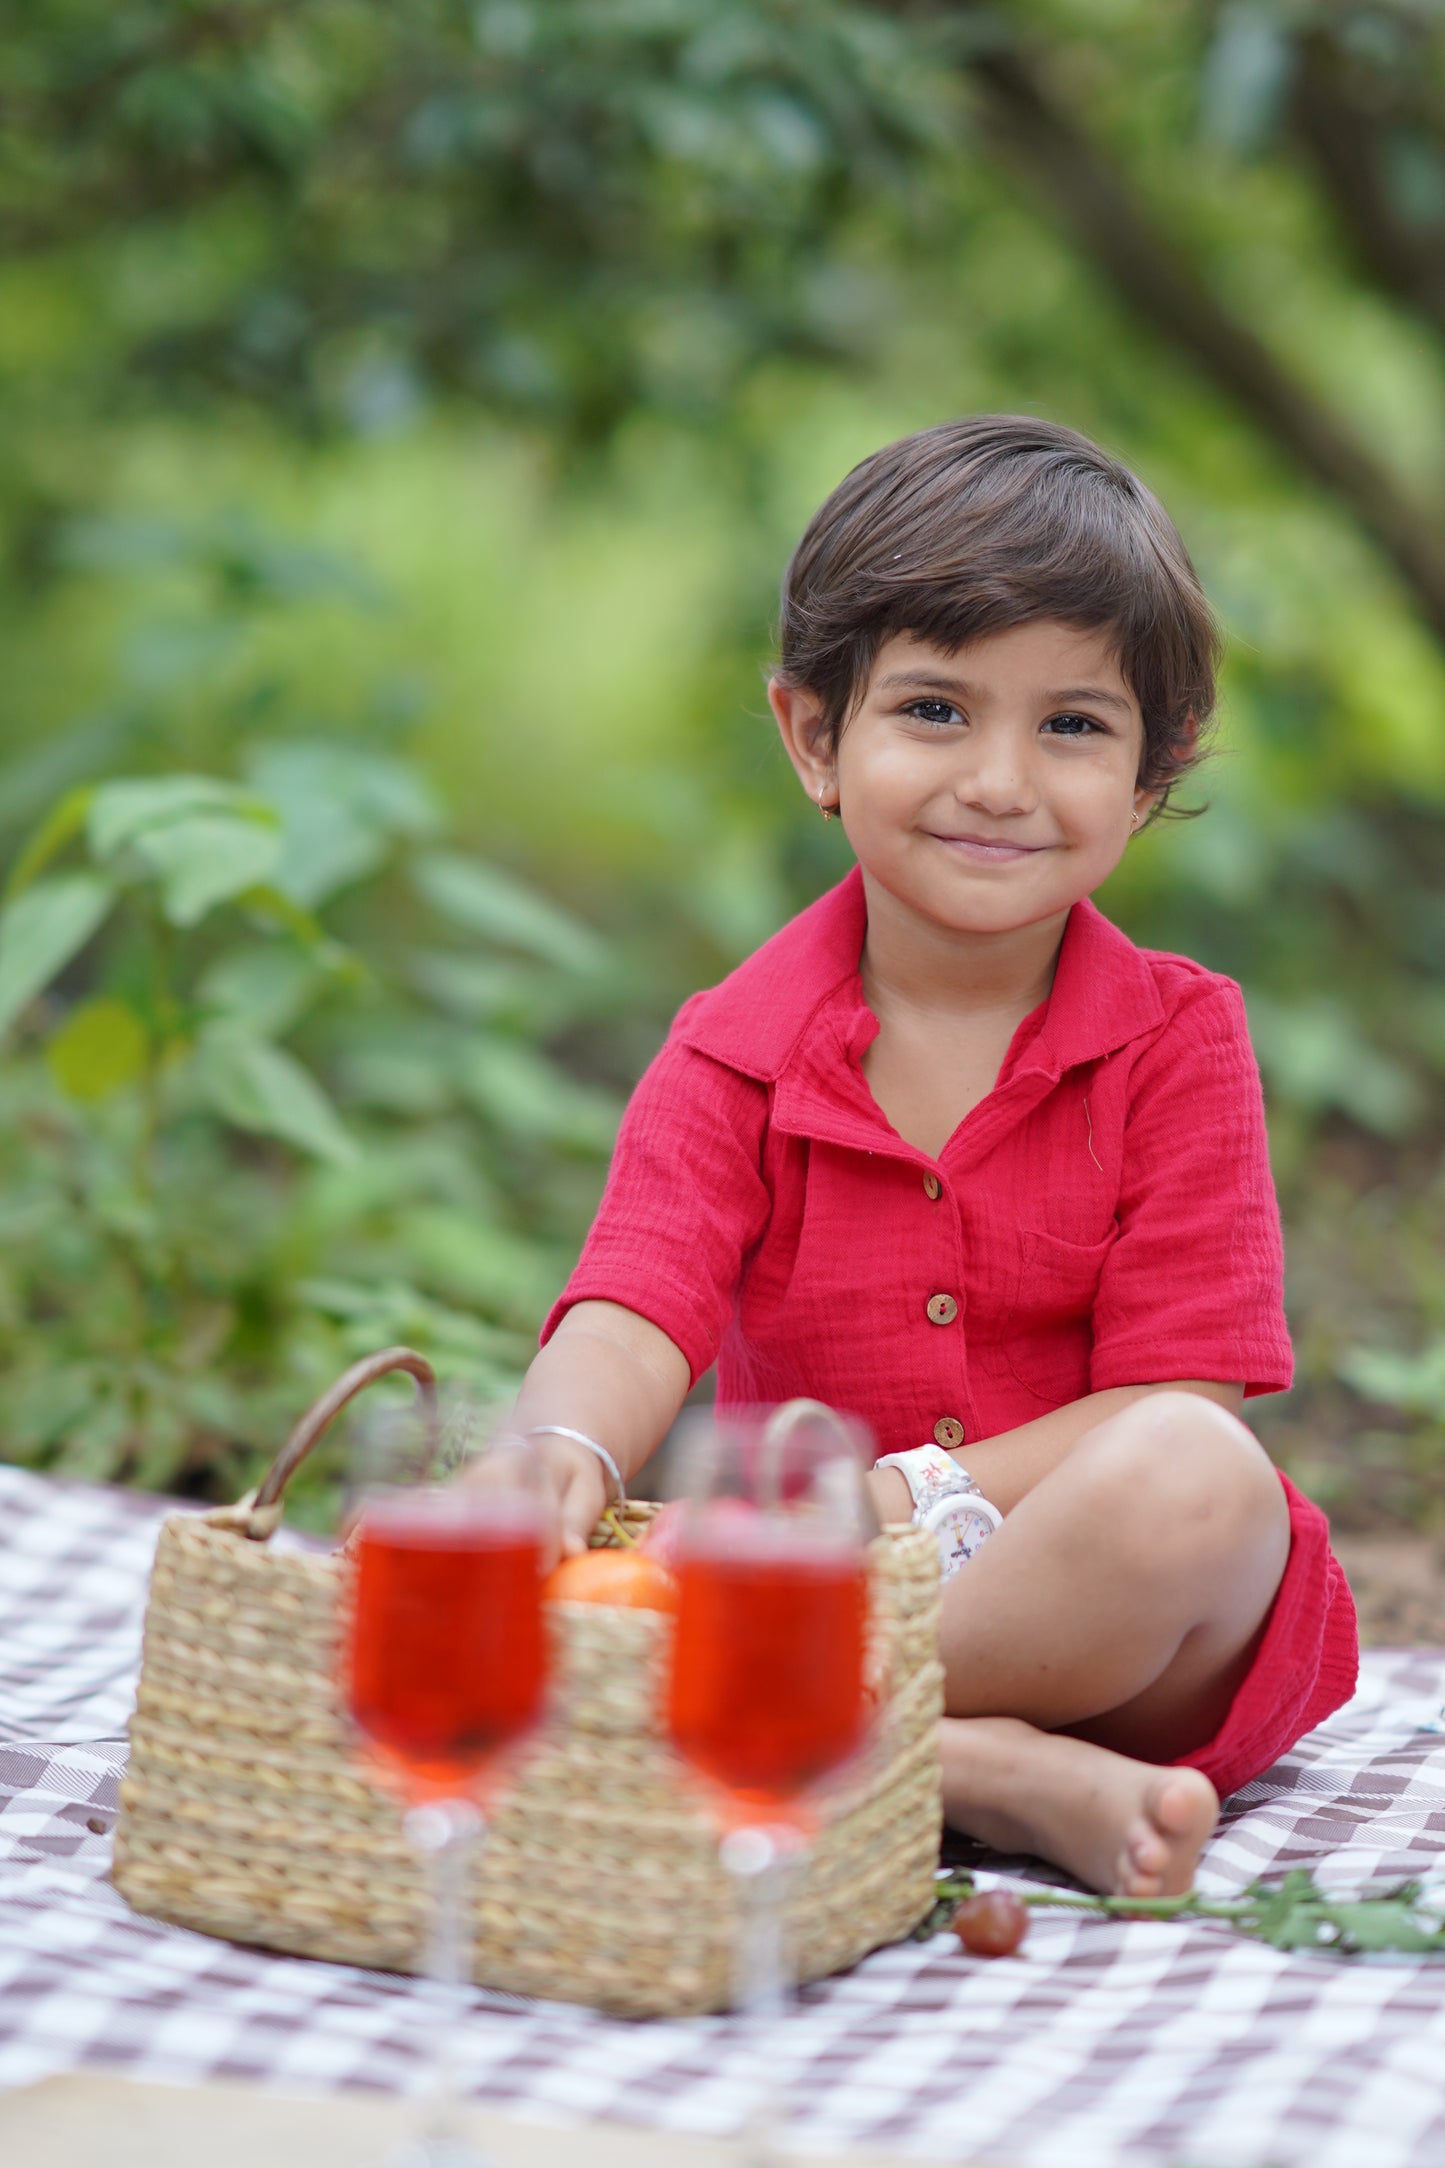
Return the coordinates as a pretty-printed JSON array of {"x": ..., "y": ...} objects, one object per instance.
[
  {"x": 826, "y": 810},
  {"x": 1134, "y": 818}
]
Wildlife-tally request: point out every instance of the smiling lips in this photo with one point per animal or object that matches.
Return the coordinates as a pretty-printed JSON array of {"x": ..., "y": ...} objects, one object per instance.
[{"x": 986, "y": 852}]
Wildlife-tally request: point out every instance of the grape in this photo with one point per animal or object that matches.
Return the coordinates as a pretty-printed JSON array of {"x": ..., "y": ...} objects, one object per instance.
[{"x": 992, "y": 1924}]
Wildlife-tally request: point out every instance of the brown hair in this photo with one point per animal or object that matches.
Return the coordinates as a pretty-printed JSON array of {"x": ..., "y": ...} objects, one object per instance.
[{"x": 985, "y": 523}]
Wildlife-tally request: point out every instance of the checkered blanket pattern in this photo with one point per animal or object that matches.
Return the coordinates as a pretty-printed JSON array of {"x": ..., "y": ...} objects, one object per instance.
[{"x": 1105, "y": 2042}]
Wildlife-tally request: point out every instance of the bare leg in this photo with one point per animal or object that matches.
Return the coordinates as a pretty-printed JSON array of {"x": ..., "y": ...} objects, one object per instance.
[{"x": 1112, "y": 1618}]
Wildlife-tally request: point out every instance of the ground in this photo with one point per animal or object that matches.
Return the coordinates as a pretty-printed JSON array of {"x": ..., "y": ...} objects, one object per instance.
[{"x": 1399, "y": 1585}]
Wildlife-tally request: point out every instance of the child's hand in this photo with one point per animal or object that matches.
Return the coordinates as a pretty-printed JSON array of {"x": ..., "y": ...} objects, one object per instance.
[{"x": 579, "y": 1488}]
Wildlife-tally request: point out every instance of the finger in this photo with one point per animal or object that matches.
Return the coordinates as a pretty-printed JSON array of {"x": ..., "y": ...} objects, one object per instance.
[{"x": 579, "y": 1518}]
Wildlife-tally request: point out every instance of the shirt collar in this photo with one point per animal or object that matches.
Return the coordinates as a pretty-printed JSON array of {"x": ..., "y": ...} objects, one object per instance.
[{"x": 765, "y": 1015}]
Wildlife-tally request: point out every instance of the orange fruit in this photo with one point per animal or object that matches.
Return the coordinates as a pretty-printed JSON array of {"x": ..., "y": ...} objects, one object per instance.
[{"x": 628, "y": 1578}]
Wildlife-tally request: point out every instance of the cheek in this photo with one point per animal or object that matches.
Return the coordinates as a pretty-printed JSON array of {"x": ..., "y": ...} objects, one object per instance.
[
  {"x": 1101, "y": 793},
  {"x": 867, "y": 785},
  {"x": 878, "y": 777}
]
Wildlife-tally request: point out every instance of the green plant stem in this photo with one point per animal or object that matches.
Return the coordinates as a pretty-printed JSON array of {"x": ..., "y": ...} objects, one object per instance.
[
  {"x": 163, "y": 1009},
  {"x": 1189, "y": 1905}
]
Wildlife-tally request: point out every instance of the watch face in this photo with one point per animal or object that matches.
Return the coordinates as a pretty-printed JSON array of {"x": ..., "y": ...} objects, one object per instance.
[{"x": 961, "y": 1525}]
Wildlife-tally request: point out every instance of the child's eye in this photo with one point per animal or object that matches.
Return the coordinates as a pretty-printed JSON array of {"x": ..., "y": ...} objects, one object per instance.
[
  {"x": 1075, "y": 726},
  {"x": 933, "y": 711}
]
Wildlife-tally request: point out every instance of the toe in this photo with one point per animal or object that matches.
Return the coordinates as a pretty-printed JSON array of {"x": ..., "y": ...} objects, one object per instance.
[
  {"x": 1147, "y": 1851},
  {"x": 1175, "y": 1807},
  {"x": 1134, "y": 1881},
  {"x": 1142, "y": 1865}
]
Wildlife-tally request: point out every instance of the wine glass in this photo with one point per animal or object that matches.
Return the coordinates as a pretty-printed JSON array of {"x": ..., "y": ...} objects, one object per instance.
[
  {"x": 444, "y": 1665},
  {"x": 768, "y": 1693}
]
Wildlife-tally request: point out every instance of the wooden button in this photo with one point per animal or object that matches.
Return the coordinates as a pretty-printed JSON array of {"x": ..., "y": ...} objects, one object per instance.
[
  {"x": 948, "y": 1431},
  {"x": 942, "y": 1309},
  {"x": 931, "y": 1187}
]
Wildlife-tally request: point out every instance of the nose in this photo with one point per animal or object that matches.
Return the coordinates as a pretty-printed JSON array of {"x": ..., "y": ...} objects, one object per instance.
[{"x": 995, "y": 773}]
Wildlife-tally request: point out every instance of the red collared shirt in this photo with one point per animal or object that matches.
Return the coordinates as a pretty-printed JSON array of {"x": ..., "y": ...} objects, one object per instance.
[{"x": 1105, "y": 1216}]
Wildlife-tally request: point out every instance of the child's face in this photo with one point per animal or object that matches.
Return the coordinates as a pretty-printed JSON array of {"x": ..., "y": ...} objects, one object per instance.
[{"x": 989, "y": 788}]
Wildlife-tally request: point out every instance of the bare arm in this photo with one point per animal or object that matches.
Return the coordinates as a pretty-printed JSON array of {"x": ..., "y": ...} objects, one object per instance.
[
  {"x": 1007, "y": 1467},
  {"x": 614, "y": 1376},
  {"x": 618, "y": 1378}
]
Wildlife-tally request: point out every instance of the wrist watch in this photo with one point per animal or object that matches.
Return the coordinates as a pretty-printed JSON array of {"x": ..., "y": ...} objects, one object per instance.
[{"x": 947, "y": 1502}]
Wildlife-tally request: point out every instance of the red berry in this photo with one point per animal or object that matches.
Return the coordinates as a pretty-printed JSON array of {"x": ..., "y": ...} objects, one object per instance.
[{"x": 992, "y": 1924}]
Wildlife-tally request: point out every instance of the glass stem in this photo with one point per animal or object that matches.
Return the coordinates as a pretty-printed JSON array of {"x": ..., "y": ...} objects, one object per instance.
[
  {"x": 449, "y": 1835},
  {"x": 761, "y": 1862}
]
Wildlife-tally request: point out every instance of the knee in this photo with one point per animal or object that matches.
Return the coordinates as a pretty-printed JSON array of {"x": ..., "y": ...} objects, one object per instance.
[{"x": 1189, "y": 1482}]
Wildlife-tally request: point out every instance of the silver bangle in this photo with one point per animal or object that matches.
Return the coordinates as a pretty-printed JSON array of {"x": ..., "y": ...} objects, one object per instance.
[{"x": 580, "y": 1437}]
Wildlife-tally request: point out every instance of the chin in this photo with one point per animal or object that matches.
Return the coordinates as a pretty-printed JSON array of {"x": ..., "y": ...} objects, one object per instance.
[{"x": 986, "y": 915}]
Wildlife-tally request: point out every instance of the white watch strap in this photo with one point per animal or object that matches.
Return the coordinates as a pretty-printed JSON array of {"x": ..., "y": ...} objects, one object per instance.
[{"x": 930, "y": 1475}]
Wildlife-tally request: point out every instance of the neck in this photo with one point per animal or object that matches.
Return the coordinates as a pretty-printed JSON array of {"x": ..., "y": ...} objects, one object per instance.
[{"x": 912, "y": 963}]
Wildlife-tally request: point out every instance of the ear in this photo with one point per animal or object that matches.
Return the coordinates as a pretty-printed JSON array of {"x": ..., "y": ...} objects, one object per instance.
[{"x": 803, "y": 730}]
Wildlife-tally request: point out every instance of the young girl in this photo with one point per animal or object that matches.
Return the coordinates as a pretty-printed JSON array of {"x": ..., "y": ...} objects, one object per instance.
[{"x": 951, "y": 1153}]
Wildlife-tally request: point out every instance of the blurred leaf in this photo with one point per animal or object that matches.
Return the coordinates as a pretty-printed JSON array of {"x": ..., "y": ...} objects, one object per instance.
[
  {"x": 116, "y": 543},
  {"x": 528, "y": 1096},
  {"x": 253, "y": 562},
  {"x": 735, "y": 892},
  {"x": 1312, "y": 1053},
  {"x": 469, "y": 1260},
  {"x": 1380, "y": 1924},
  {"x": 341, "y": 808},
  {"x": 100, "y": 1048},
  {"x": 263, "y": 989},
  {"x": 206, "y": 859},
  {"x": 93, "y": 1447},
  {"x": 121, "y": 812},
  {"x": 402, "y": 1079},
  {"x": 475, "y": 987},
  {"x": 1414, "y": 1383},
  {"x": 40, "y": 773},
  {"x": 529, "y": 1000},
  {"x": 271, "y": 909},
  {"x": 164, "y": 1445},
  {"x": 391, "y": 1310},
  {"x": 62, "y": 824},
  {"x": 42, "y": 930},
  {"x": 262, "y": 1088},
  {"x": 42, "y": 1405},
  {"x": 482, "y": 900},
  {"x": 1299, "y": 1916}
]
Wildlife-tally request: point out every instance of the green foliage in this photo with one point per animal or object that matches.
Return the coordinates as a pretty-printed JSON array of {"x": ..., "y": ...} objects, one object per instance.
[
  {"x": 231, "y": 1157},
  {"x": 565, "y": 208}
]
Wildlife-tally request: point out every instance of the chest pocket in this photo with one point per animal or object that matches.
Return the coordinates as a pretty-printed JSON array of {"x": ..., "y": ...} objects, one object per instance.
[{"x": 1047, "y": 1333}]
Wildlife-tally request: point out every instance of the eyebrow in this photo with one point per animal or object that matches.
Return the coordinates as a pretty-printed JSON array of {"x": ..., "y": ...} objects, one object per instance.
[{"x": 928, "y": 681}]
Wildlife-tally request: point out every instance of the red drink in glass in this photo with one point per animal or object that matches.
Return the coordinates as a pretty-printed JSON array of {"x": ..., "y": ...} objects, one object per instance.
[
  {"x": 767, "y": 1690},
  {"x": 447, "y": 1659}
]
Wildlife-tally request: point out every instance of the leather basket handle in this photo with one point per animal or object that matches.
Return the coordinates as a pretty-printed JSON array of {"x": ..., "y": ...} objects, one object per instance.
[{"x": 258, "y": 1514}]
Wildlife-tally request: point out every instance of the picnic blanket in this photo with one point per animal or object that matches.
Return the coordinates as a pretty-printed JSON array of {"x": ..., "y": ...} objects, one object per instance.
[{"x": 1104, "y": 2042}]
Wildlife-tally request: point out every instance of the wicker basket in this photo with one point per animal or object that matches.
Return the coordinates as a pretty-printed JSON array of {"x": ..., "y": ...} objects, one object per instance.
[{"x": 243, "y": 1813}]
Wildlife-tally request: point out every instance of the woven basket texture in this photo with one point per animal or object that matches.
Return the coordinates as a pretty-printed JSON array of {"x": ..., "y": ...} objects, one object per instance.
[{"x": 245, "y": 1814}]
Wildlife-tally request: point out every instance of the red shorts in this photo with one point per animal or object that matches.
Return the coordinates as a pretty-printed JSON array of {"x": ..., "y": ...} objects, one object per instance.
[{"x": 1306, "y": 1665}]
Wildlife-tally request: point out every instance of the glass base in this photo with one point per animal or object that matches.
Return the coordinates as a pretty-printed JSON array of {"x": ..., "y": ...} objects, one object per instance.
[{"x": 438, "y": 2152}]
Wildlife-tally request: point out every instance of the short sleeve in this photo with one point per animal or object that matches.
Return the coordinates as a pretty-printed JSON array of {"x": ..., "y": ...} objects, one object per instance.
[
  {"x": 1193, "y": 1286},
  {"x": 685, "y": 1201}
]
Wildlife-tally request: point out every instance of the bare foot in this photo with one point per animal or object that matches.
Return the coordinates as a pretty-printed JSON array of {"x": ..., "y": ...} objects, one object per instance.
[{"x": 1128, "y": 1828}]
